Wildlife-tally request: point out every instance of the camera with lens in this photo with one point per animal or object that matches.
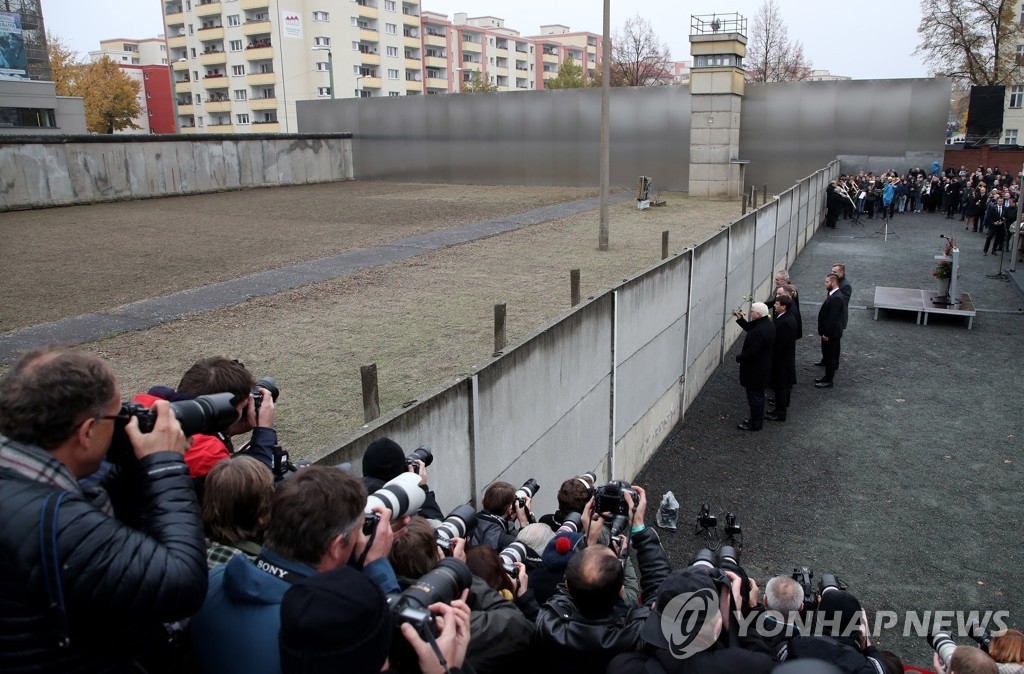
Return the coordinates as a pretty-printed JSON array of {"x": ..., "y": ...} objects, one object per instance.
[
  {"x": 611, "y": 498},
  {"x": 710, "y": 560},
  {"x": 981, "y": 635},
  {"x": 514, "y": 554},
  {"x": 705, "y": 520},
  {"x": 572, "y": 523},
  {"x": 805, "y": 577},
  {"x": 528, "y": 490},
  {"x": 460, "y": 523},
  {"x": 206, "y": 414},
  {"x": 732, "y": 528},
  {"x": 402, "y": 496},
  {"x": 268, "y": 383},
  {"x": 442, "y": 584},
  {"x": 423, "y": 453},
  {"x": 942, "y": 643}
]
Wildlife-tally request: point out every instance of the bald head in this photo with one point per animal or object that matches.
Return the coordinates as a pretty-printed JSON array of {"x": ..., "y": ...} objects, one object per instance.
[
  {"x": 594, "y": 578},
  {"x": 970, "y": 660}
]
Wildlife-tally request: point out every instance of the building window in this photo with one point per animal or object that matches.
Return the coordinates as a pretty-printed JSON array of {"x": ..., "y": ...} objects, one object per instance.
[
  {"x": 391, "y": 29},
  {"x": 163, "y": 47},
  {"x": 241, "y": 94},
  {"x": 237, "y": 70},
  {"x": 28, "y": 117},
  {"x": 193, "y": 51},
  {"x": 392, "y": 51},
  {"x": 389, "y": 5},
  {"x": 320, "y": 41},
  {"x": 321, "y": 16},
  {"x": 199, "y": 121},
  {"x": 195, "y": 75},
  {"x": 1017, "y": 96},
  {"x": 1011, "y": 137},
  {"x": 190, "y": 30},
  {"x": 392, "y": 74},
  {"x": 243, "y": 118},
  {"x": 268, "y": 92},
  {"x": 393, "y": 93},
  {"x": 323, "y": 91},
  {"x": 322, "y": 66},
  {"x": 236, "y": 45},
  {"x": 234, "y": 20}
]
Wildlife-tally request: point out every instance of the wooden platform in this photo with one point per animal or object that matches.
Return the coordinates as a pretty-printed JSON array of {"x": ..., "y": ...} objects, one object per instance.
[{"x": 920, "y": 302}]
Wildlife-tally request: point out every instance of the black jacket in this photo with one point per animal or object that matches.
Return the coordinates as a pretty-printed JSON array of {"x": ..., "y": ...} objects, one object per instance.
[
  {"x": 119, "y": 584},
  {"x": 830, "y": 316},
  {"x": 718, "y": 661},
  {"x": 784, "y": 351},
  {"x": 846, "y": 290},
  {"x": 491, "y": 531},
  {"x": 590, "y": 644},
  {"x": 755, "y": 358},
  {"x": 841, "y": 652}
]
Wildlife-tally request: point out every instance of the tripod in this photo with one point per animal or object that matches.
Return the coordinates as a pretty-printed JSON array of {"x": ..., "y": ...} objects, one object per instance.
[
  {"x": 1000, "y": 276},
  {"x": 884, "y": 230}
]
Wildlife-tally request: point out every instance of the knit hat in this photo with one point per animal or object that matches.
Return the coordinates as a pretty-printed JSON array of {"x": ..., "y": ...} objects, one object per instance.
[
  {"x": 384, "y": 459},
  {"x": 334, "y": 620},
  {"x": 560, "y": 550},
  {"x": 839, "y": 604},
  {"x": 693, "y": 580}
]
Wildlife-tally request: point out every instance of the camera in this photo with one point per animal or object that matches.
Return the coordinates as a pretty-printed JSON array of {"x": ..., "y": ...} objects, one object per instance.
[
  {"x": 572, "y": 523},
  {"x": 528, "y": 490},
  {"x": 460, "y": 523},
  {"x": 981, "y": 635},
  {"x": 268, "y": 383},
  {"x": 731, "y": 527},
  {"x": 514, "y": 554},
  {"x": 942, "y": 643},
  {"x": 829, "y": 582},
  {"x": 206, "y": 414},
  {"x": 611, "y": 498},
  {"x": 708, "y": 560},
  {"x": 442, "y": 584},
  {"x": 402, "y": 496},
  {"x": 422, "y": 453},
  {"x": 805, "y": 577},
  {"x": 705, "y": 520}
]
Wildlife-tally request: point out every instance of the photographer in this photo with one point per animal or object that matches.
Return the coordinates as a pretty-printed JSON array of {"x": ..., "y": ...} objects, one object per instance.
[
  {"x": 217, "y": 374},
  {"x": 967, "y": 660},
  {"x": 501, "y": 509},
  {"x": 841, "y": 635},
  {"x": 235, "y": 508},
  {"x": 384, "y": 460},
  {"x": 572, "y": 498},
  {"x": 315, "y": 525},
  {"x": 76, "y": 594},
  {"x": 586, "y": 622}
]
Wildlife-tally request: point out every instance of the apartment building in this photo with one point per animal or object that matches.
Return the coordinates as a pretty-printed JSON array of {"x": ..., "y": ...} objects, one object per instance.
[
  {"x": 144, "y": 61},
  {"x": 457, "y": 52},
  {"x": 241, "y": 65}
]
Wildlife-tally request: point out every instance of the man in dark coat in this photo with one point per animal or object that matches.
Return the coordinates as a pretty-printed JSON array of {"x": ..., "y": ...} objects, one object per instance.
[
  {"x": 755, "y": 361},
  {"x": 830, "y": 328},
  {"x": 384, "y": 460},
  {"x": 783, "y": 357},
  {"x": 82, "y": 590}
]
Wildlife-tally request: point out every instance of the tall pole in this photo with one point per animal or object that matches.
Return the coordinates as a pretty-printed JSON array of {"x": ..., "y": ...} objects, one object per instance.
[
  {"x": 606, "y": 77},
  {"x": 330, "y": 70}
]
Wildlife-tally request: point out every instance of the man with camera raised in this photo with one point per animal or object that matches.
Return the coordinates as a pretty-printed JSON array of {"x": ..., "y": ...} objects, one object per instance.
[
  {"x": 315, "y": 525},
  {"x": 502, "y": 509},
  {"x": 384, "y": 460},
  {"x": 81, "y": 590},
  {"x": 587, "y": 623}
]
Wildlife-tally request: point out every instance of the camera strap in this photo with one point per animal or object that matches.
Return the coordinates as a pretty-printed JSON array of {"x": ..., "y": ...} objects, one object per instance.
[
  {"x": 57, "y": 614},
  {"x": 277, "y": 571}
]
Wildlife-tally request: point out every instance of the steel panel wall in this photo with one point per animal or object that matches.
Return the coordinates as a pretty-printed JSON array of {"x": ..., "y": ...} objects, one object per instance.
[
  {"x": 764, "y": 254},
  {"x": 741, "y": 271},
  {"x": 784, "y": 235}
]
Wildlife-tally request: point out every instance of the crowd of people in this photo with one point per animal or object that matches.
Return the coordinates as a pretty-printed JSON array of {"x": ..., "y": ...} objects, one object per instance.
[
  {"x": 986, "y": 200},
  {"x": 187, "y": 554}
]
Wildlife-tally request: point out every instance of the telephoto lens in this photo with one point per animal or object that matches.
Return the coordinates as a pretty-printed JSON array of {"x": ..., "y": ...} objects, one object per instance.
[
  {"x": 206, "y": 415},
  {"x": 727, "y": 553},
  {"x": 528, "y": 490},
  {"x": 424, "y": 454},
  {"x": 270, "y": 384},
  {"x": 704, "y": 557},
  {"x": 442, "y": 584},
  {"x": 402, "y": 496},
  {"x": 590, "y": 477},
  {"x": 572, "y": 523},
  {"x": 942, "y": 644},
  {"x": 829, "y": 582},
  {"x": 510, "y": 556},
  {"x": 460, "y": 523}
]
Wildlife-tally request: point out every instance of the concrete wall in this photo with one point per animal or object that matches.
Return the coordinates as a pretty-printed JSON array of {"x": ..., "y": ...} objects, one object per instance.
[
  {"x": 602, "y": 387},
  {"x": 60, "y": 171}
]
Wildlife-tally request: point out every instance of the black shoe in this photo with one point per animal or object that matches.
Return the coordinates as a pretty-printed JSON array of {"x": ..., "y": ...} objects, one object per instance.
[
  {"x": 745, "y": 426},
  {"x": 772, "y": 416},
  {"x": 822, "y": 384},
  {"x": 820, "y": 363}
]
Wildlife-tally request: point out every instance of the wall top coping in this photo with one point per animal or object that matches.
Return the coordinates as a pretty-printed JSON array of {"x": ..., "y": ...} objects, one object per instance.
[{"x": 9, "y": 139}]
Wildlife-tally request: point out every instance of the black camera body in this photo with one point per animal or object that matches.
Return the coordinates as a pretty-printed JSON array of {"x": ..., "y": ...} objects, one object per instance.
[
  {"x": 268, "y": 383},
  {"x": 705, "y": 520},
  {"x": 805, "y": 577},
  {"x": 422, "y": 453},
  {"x": 206, "y": 414},
  {"x": 611, "y": 498}
]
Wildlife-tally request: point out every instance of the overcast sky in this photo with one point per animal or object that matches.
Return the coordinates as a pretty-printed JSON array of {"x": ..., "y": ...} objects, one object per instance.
[{"x": 862, "y": 43}]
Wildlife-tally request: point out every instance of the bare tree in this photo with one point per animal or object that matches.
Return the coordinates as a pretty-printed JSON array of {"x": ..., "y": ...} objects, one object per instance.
[
  {"x": 971, "y": 40},
  {"x": 771, "y": 55},
  {"x": 639, "y": 57}
]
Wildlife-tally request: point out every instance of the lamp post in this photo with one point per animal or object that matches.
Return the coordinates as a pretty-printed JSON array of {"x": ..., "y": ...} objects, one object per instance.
[
  {"x": 458, "y": 78},
  {"x": 330, "y": 66}
]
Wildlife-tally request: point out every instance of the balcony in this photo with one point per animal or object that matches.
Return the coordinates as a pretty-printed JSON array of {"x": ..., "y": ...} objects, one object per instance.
[
  {"x": 437, "y": 83},
  {"x": 256, "y": 28},
  {"x": 183, "y": 87},
  {"x": 412, "y": 42},
  {"x": 187, "y": 129},
  {"x": 413, "y": 85},
  {"x": 435, "y": 62},
  {"x": 255, "y": 4},
  {"x": 208, "y": 9},
  {"x": 435, "y": 40},
  {"x": 217, "y": 106},
  {"x": 368, "y": 59},
  {"x": 219, "y": 128},
  {"x": 370, "y": 83},
  {"x": 213, "y": 33},
  {"x": 413, "y": 64},
  {"x": 470, "y": 47},
  {"x": 259, "y": 53},
  {"x": 186, "y": 109},
  {"x": 369, "y": 35},
  {"x": 215, "y": 81},
  {"x": 260, "y": 79},
  {"x": 214, "y": 58},
  {"x": 266, "y": 127},
  {"x": 410, "y": 19},
  {"x": 176, "y": 17},
  {"x": 551, "y": 58},
  {"x": 177, "y": 42},
  {"x": 180, "y": 66},
  {"x": 366, "y": 12},
  {"x": 263, "y": 104}
]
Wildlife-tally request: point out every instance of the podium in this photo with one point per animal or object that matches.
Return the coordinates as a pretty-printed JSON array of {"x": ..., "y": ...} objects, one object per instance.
[{"x": 949, "y": 299}]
